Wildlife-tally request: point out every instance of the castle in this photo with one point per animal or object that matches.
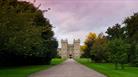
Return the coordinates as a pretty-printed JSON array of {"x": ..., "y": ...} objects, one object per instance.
[{"x": 69, "y": 50}]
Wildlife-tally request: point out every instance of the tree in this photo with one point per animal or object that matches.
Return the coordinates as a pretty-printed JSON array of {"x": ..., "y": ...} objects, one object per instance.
[
  {"x": 118, "y": 49},
  {"x": 116, "y": 32},
  {"x": 131, "y": 25},
  {"x": 99, "y": 49},
  {"x": 132, "y": 33},
  {"x": 26, "y": 36},
  {"x": 83, "y": 49},
  {"x": 89, "y": 43},
  {"x": 135, "y": 61}
]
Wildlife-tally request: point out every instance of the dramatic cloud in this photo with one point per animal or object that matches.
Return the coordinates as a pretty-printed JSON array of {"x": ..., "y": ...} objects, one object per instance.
[{"x": 74, "y": 19}]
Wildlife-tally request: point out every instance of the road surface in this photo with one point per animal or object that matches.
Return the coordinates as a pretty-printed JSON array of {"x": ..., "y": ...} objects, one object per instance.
[{"x": 69, "y": 68}]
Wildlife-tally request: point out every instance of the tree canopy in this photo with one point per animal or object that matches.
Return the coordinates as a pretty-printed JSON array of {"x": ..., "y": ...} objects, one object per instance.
[{"x": 26, "y": 36}]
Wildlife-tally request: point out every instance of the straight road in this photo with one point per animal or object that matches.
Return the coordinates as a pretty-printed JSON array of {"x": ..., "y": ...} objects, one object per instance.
[{"x": 69, "y": 68}]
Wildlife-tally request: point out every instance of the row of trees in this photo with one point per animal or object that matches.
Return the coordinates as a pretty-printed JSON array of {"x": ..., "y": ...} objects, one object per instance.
[
  {"x": 120, "y": 46},
  {"x": 26, "y": 37}
]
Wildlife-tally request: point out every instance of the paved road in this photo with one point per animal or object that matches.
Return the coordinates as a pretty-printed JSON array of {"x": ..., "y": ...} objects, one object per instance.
[{"x": 69, "y": 68}]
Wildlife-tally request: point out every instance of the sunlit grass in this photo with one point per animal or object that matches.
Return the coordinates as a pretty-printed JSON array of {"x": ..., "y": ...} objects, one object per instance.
[{"x": 109, "y": 70}]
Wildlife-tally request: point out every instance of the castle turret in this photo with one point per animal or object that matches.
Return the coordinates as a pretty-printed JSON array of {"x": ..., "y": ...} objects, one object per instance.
[
  {"x": 76, "y": 48},
  {"x": 64, "y": 44}
]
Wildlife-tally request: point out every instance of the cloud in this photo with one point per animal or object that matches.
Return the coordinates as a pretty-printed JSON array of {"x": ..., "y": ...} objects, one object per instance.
[{"x": 76, "y": 18}]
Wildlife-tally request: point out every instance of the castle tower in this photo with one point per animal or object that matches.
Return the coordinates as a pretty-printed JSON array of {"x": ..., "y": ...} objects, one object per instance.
[
  {"x": 64, "y": 48},
  {"x": 76, "y": 51},
  {"x": 70, "y": 50}
]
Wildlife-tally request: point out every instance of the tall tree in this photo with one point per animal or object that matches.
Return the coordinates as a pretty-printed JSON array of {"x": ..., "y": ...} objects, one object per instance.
[
  {"x": 132, "y": 32},
  {"x": 99, "y": 49},
  {"x": 23, "y": 32},
  {"x": 116, "y": 32},
  {"x": 89, "y": 43}
]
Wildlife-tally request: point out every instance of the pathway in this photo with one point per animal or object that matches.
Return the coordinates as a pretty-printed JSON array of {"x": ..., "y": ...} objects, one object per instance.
[{"x": 69, "y": 68}]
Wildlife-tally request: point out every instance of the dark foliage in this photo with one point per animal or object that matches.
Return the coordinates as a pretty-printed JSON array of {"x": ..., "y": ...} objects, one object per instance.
[{"x": 26, "y": 37}]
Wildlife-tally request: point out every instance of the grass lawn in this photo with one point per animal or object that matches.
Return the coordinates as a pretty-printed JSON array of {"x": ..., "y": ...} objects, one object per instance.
[
  {"x": 26, "y": 70},
  {"x": 108, "y": 69}
]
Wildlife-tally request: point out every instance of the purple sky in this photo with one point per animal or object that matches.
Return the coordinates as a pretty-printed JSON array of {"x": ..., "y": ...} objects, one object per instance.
[{"x": 74, "y": 19}]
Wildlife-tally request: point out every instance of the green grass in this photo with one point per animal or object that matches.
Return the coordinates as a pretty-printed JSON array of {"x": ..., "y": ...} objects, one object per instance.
[
  {"x": 109, "y": 70},
  {"x": 24, "y": 71}
]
